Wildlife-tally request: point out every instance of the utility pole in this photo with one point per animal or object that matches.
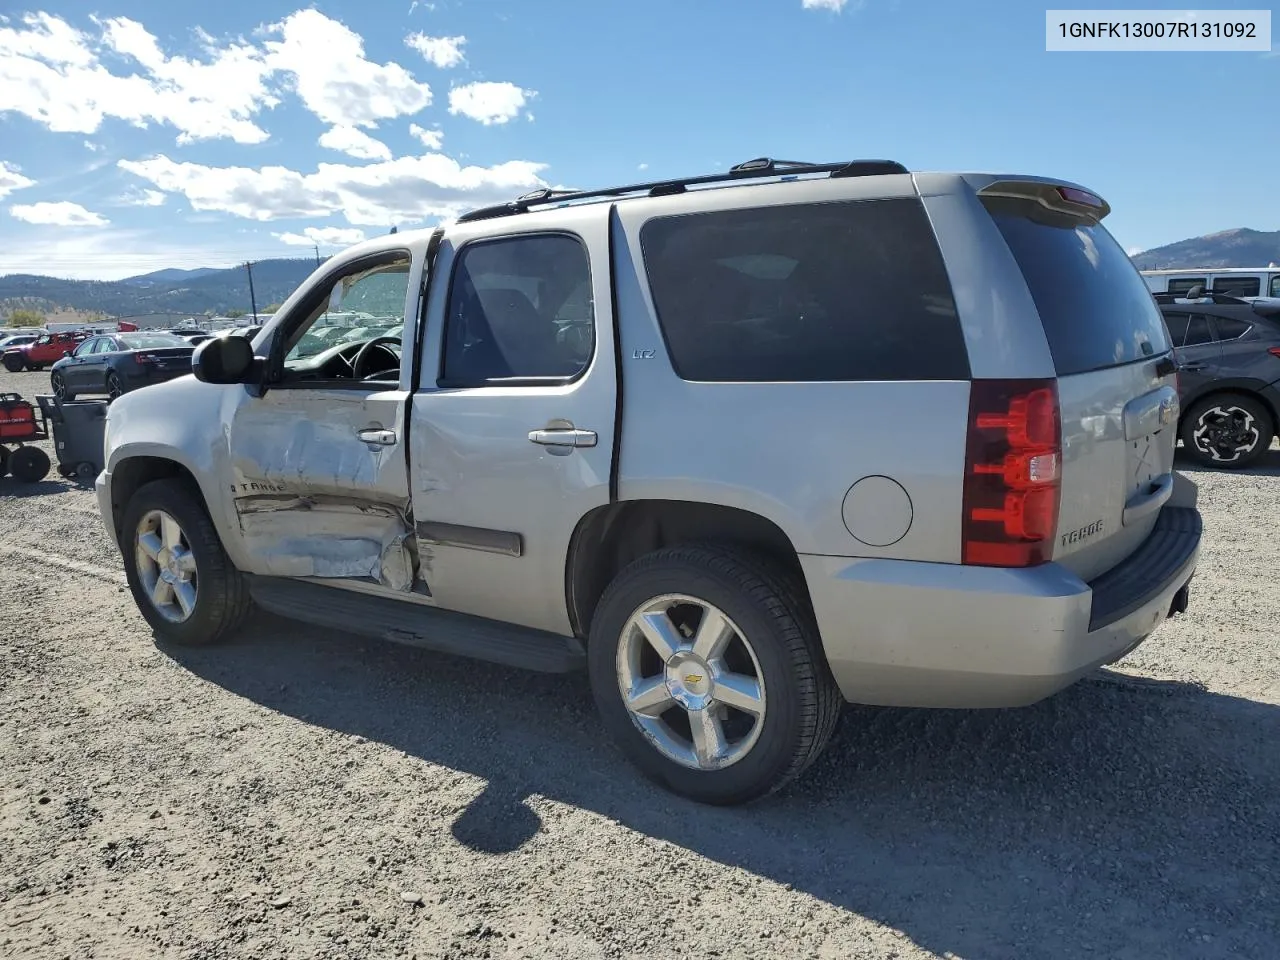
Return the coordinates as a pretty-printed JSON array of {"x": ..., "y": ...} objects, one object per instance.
[
  {"x": 253, "y": 301},
  {"x": 316, "y": 247}
]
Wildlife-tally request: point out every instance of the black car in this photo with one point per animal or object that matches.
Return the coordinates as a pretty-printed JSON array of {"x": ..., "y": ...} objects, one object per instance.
[
  {"x": 1228, "y": 353},
  {"x": 119, "y": 362}
]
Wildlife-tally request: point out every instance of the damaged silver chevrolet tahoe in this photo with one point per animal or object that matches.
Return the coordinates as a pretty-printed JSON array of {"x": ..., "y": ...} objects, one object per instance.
[{"x": 743, "y": 447}]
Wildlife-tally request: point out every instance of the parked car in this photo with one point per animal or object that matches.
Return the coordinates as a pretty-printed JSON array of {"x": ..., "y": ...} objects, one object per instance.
[
  {"x": 1228, "y": 374},
  {"x": 1242, "y": 282},
  {"x": 16, "y": 340},
  {"x": 44, "y": 351},
  {"x": 117, "y": 363},
  {"x": 191, "y": 336},
  {"x": 834, "y": 432}
]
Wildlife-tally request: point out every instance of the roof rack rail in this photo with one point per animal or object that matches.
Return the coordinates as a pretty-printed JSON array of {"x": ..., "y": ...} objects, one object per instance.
[
  {"x": 759, "y": 167},
  {"x": 1219, "y": 299}
]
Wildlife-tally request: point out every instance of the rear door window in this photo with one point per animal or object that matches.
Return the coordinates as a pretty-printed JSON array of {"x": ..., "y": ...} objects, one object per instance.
[
  {"x": 1198, "y": 331},
  {"x": 1096, "y": 309},
  {"x": 839, "y": 291},
  {"x": 1237, "y": 286},
  {"x": 1230, "y": 329},
  {"x": 1177, "y": 324}
]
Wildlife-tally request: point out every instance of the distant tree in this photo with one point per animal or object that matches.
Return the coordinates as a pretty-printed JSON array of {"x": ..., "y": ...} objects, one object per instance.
[
  {"x": 26, "y": 318},
  {"x": 271, "y": 308},
  {"x": 235, "y": 314}
]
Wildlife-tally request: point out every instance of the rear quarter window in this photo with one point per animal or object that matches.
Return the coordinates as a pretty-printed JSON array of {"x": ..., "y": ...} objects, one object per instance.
[
  {"x": 839, "y": 291},
  {"x": 1096, "y": 308}
]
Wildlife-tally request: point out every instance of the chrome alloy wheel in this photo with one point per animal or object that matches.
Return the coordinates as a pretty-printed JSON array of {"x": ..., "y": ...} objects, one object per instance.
[
  {"x": 1226, "y": 432},
  {"x": 691, "y": 682},
  {"x": 166, "y": 566}
]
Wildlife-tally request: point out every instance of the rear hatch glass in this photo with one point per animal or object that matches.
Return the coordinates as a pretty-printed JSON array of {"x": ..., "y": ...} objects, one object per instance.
[{"x": 1105, "y": 334}]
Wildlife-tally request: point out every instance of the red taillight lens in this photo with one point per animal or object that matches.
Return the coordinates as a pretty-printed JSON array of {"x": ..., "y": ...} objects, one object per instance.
[
  {"x": 1274, "y": 351},
  {"x": 144, "y": 358},
  {"x": 1013, "y": 473}
]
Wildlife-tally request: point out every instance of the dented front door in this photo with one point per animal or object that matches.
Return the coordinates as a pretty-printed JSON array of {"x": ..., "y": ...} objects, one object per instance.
[{"x": 320, "y": 486}]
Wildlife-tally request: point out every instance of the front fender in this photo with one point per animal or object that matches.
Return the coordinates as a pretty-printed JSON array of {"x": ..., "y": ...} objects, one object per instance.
[{"x": 182, "y": 422}]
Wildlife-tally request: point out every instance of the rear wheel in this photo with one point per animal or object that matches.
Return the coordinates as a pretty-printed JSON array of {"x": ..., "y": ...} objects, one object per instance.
[
  {"x": 708, "y": 673},
  {"x": 115, "y": 387},
  {"x": 29, "y": 464},
  {"x": 1229, "y": 430},
  {"x": 183, "y": 582}
]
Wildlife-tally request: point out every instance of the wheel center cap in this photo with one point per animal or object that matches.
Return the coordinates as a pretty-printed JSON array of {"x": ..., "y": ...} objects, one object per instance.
[{"x": 689, "y": 681}]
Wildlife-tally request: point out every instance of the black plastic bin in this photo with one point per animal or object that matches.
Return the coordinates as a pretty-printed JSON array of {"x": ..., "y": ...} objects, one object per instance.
[{"x": 78, "y": 428}]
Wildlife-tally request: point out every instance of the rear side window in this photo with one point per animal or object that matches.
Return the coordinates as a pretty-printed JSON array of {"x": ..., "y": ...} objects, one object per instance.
[
  {"x": 850, "y": 290},
  {"x": 1275, "y": 286},
  {"x": 1230, "y": 328},
  {"x": 1096, "y": 309},
  {"x": 1198, "y": 331},
  {"x": 1237, "y": 286}
]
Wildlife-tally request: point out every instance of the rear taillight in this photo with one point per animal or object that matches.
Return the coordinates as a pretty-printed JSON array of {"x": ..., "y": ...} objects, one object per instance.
[
  {"x": 144, "y": 358},
  {"x": 1012, "y": 473},
  {"x": 1274, "y": 351}
]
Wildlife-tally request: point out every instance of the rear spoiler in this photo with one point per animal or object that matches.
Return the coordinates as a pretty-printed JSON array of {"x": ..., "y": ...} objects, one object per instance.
[{"x": 1058, "y": 197}]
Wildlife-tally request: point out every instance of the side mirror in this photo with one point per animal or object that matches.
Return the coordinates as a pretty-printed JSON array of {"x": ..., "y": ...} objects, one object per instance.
[
  {"x": 224, "y": 360},
  {"x": 67, "y": 353}
]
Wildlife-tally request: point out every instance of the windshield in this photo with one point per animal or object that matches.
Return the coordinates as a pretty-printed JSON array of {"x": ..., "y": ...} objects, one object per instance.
[{"x": 151, "y": 341}]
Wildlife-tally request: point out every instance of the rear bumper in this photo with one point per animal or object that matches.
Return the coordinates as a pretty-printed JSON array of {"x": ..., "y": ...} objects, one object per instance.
[{"x": 904, "y": 633}]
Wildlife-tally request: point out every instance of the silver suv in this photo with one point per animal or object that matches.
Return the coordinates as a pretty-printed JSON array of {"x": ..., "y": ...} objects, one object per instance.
[{"x": 743, "y": 446}]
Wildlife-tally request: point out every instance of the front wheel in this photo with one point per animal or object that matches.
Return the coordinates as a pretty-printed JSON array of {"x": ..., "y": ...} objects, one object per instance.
[
  {"x": 707, "y": 670},
  {"x": 59, "y": 385},
  {"x": 14, "y": 363},
  {"x": 1227, "y": 430},
  {"x": 183, "y": 582}
]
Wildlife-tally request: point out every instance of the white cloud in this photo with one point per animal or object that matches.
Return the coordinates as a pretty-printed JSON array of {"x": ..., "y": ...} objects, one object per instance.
[
  {"x": 489, "y": 102},
  {"x": 835, "y": 5},
  {"x": 431, "y": 139},
  {"x": 70, "y": 80},
  {"x": 142, "y": 198},
  {"x": 355, "y": 143},
  {"x": 397, "y": 191},
  {"x": 64, "y": 213},
  {"x": 643, "y": 166},
  {"x": 11, "y": 179},
  {"x": 443, "y": 52},
  {"x": 332, "y": 77},
  {"x": 323, "y": 237},
  {"x": 54, "y": 74}
]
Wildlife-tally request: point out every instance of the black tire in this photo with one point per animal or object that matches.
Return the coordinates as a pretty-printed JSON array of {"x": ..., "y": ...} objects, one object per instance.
[
  {"x": 1244, "y": 420},
  {"x": 29, "y": 464},
  {"x": 86, "y": 472},
  {"x": 803, "y": 701},
  {"x": 222, "y": 595},
  {"x": 14, "y": 363},
  {"x": 58, "y": 384},
  {"x": 114, "y": 385},
  {"x": 4, "y": 461}
]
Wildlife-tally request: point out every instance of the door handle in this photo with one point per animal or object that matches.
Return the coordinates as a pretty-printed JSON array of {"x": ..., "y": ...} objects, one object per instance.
[
  {"x": 384, "y": 438},
  {"x": 1192, "y": 366},
  {"x": 564, "y": 437}
]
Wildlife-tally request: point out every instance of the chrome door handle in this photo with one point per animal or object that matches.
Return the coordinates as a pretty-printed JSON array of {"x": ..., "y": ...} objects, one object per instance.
[
  {"x": 377, "y": 435},
  {"x": 564, "y": 437}
]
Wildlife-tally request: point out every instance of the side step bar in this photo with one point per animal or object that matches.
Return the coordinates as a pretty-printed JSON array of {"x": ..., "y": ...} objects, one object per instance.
[{"x": 418, "y": 625}]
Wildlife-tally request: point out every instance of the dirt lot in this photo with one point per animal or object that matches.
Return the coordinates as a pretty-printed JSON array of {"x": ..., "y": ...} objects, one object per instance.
[{"x": 307, "y": 795}]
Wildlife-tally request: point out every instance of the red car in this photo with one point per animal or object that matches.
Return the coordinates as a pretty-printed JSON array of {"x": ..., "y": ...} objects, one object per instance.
[{"x": 47, "y": 350}]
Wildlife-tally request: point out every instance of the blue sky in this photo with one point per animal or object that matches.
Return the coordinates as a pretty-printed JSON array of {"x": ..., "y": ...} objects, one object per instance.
[{"x": 136, "y": 134}]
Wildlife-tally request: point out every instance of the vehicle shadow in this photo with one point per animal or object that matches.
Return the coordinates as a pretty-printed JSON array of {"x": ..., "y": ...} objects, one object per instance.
[
  {"x": 1267, "y": 465},
  {"x": 10, "y": 487},
  {"x": 1123, "y": 817}
]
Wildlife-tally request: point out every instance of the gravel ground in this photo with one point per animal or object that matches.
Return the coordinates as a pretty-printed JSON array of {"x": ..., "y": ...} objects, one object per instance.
[{"x": 304, "y": 794}]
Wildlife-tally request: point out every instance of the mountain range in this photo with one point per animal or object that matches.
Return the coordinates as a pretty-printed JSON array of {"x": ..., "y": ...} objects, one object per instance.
[
  {"x": 172, "y": 293},
  {"x": 208, "y": 291}
]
